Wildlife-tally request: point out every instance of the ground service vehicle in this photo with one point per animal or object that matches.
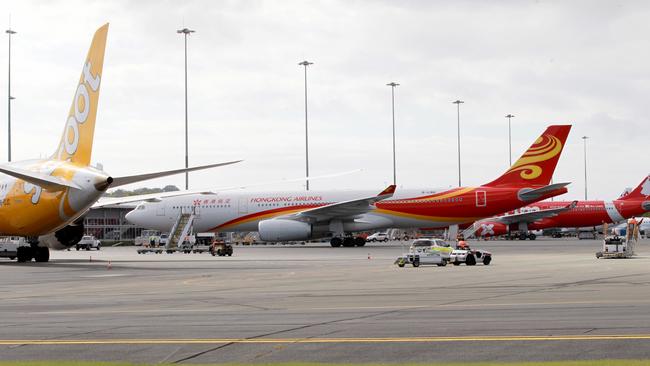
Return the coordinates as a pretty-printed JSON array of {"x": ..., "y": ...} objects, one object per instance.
[
  {"x": 163, "y": 239},
  {"x": 431, "y": 244},
  {"x": 424, "y": 257},
  {"x": 621, "y": 246},
  {"x": 381, "y": 236},
  {"x": 9, "y": 246},
  {"x": 221, "y": 248},
  {"x": 145, "y": 237},
  {"x": 470, "y": 256},
  {"x": 88, "y": 242}
]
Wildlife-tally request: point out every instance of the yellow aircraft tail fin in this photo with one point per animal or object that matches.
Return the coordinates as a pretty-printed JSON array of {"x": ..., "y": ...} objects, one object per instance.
[{"x": 77, "y": 141}]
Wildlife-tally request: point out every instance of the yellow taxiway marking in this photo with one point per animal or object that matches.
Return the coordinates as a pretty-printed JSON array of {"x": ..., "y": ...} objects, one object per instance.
[{"x": 13, "y": 342}]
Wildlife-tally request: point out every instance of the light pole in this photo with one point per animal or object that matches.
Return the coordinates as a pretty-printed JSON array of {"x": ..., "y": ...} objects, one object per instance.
[
  {"x": 305, "y": 64},
  {"x": 509, "y": 116},
  {"x": 458, "y": 103},
  {"x": 186, "y": 32},
  {"x": 392, "y": 93},
  {"x": 9, "y": 32},
  {"x": 584, "y": 139}
]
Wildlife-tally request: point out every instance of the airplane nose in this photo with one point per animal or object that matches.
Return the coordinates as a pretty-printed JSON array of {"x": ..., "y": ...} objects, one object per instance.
[{"x": 131, "y": 217}]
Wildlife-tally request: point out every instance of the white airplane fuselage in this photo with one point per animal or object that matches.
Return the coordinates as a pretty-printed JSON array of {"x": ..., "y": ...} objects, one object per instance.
[{"x": 242, "y": 211}]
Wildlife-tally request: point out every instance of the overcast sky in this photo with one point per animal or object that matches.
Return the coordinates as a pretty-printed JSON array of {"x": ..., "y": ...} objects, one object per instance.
[{"x": 586, "y": 63}]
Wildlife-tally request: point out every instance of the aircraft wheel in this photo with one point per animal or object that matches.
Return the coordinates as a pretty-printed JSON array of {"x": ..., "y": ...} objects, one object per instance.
[
  {"x": 336, "y": 242},
  {"x": 359, "y": 241},
  {"x": 487, "y": 260},
  {"x": 41, "y": 254},
  {"x": 348, "y": 242},
  {"x": 532, "y": 236},
  {"x": 24, "y": 254},
  {"x": 522, "y": 236}
]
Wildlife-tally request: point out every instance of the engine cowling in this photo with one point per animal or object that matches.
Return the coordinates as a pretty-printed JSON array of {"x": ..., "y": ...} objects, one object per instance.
[
  {"x": 284, "y": 230},
  {"x": 63, "y": 238},
  {"x": 492, "y": 229}
]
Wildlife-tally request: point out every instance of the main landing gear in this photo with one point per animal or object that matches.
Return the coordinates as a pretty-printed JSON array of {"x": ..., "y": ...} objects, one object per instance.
[
  {"x": 348, "y": 241},
  {"x": 530, "y": 236},
  {"x": 27, "y": 253}
]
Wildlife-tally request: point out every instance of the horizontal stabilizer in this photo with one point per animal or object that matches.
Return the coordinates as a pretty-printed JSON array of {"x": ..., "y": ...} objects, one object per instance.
[
  {"x": 48, "y": 182},
  {"x": 536, "y": 194},
  {"x": 121, "y": 181}
]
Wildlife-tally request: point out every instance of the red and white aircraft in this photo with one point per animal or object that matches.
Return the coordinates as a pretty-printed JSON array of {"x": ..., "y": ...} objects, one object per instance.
[
  {"x": 559, "y": 214},
  {"x": 286, "y": 216}
]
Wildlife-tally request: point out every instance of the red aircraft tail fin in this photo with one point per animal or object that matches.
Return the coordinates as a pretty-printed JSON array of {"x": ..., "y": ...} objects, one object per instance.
[
  {"x": 537, "y": 164},
  {"x": 642, "y": 191}
]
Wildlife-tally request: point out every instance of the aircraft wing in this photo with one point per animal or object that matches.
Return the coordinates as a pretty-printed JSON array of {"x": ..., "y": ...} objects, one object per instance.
[
  {"x": 533, "y": 215},
  {"x": 341, "y": 209},
  {"x": 151, "y": 197}
]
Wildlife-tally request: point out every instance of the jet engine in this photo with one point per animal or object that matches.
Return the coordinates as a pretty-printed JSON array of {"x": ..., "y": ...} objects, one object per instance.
[
  {"x": 284, "y": 230},
  {"x": 63, "y": 238}
]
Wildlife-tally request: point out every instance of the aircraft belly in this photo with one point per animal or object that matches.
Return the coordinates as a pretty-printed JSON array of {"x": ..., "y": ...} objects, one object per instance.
[
  {"x": 18, "y": 216},
  {"x": 409, "y": 222}
]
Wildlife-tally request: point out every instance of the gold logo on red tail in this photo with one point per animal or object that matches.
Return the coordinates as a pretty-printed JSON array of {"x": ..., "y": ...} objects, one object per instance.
[{"x": 546, "y": 147}]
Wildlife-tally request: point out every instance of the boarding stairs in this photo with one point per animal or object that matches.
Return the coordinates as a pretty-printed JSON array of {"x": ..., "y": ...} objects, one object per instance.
[
  {"x": 181, "y": 229},
  {"x": 471, "y": 230}
]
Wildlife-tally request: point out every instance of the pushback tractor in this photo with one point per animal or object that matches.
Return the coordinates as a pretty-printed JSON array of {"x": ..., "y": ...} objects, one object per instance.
[{"x": 621, "y": 246}]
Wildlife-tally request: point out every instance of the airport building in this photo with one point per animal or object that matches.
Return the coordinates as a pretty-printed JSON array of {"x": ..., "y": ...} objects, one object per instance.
[{"x": 109, "y": 223}]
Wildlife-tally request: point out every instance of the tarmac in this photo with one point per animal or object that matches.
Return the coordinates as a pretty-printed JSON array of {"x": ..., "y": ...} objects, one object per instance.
[{"x": 548, "y": 299}]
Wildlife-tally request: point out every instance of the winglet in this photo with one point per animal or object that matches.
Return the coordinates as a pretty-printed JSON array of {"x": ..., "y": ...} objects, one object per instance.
[
  {"x": 390, "y": 190},
  {"x": 572, "y": 205}
]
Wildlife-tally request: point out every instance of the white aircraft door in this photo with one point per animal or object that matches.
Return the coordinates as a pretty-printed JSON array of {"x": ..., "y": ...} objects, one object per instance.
[
  {"x": 481, "y": 199},
  {"x": 243, "y": 205}
]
